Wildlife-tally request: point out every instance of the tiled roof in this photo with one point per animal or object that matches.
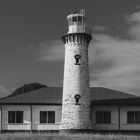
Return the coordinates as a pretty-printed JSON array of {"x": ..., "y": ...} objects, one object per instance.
[
  {"x": 125, "y": 101},
  {"x": 100, "y": 93},
  {"x": 53, "y": 96}
]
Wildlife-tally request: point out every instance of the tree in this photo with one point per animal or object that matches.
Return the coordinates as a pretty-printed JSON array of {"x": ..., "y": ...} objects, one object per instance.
[{"x": 27, "y": 88}]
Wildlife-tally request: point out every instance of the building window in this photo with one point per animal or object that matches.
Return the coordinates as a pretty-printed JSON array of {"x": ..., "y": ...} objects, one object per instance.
[
  {"x": 51, "y": 117},
  {"x": 103, "y": 117},
  {"x": 43, "y": 116},
  {"x": 15, "y": 116},
  {"x": 47, "y": 116},
  {"x": 133, "y": 117}
]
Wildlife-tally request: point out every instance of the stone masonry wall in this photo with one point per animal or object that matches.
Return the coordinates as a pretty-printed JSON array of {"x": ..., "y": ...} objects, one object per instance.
[{"x": 76, "y": 81}]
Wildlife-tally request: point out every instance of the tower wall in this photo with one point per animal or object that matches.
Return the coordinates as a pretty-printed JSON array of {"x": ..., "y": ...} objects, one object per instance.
[{"x": 76, "y": 113}]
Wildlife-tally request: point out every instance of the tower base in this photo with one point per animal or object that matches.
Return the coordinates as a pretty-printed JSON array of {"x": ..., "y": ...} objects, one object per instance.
[{"x": 75, "y": 131}]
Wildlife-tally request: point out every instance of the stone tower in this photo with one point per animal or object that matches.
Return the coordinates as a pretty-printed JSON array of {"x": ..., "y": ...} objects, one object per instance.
[{"x": 76, "y": 90}]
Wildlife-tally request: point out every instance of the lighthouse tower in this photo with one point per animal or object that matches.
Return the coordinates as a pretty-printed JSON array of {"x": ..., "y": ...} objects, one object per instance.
[{"x": 76, "y": 91}]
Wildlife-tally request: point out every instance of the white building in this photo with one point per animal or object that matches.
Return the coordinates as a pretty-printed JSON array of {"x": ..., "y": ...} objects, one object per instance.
[{"x": 40, "y": 110}]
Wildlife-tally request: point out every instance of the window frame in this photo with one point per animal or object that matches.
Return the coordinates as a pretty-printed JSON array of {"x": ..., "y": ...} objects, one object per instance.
[
  {"x": 16, "y": 118},
  {"x": 48, "y": 117},
  {"x": 133, "y": 119},
  {"x": 101, "y": 117}
]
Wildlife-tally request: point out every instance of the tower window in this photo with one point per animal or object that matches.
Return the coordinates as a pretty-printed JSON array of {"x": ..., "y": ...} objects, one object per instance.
[
  {"x": 74, "y": 19},
  {"x": 77, "y": 98},
  {"x": 77, "y": 59}
]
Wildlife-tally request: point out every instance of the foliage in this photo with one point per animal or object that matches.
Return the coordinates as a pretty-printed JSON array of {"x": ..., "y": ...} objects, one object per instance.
[{"x": 27, "y": 88}]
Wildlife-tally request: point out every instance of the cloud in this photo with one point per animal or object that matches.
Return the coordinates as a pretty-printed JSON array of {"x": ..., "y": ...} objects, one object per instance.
[
  {"x": 4, "y": 91},
  {"x": 134, "y": 21},
  {"x": 114, "y": 62},
  {"x": 51, "y": 51},
  {"x": 100, "y": 28}
]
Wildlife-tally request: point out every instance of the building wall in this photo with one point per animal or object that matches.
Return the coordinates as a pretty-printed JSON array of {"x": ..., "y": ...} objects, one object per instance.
[
  {"x": 76, "y": 81},
  {"x": 114, "y": 118},
  {"x": 58, "y": 109},
  {"x": 123, "y": 118},
  {"x": 26, "y": 118},
  {"x": 35, "y": 121}
]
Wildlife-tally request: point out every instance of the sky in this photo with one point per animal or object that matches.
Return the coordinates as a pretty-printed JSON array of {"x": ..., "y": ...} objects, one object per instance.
[{"x": 31, "y": 49}]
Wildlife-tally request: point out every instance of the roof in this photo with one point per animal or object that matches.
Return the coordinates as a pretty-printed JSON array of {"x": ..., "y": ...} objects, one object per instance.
[
  {"x": 53, "y": 96},
  {"x": 100, "y": 93},
  {"x": 48, "y": 95},
  {"x": 125, "y": 101}
]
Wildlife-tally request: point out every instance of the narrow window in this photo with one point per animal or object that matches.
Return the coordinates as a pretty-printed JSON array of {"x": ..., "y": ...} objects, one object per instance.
[
  {"x": 74, "y": 19},
  {"x": 11, "y": 116},
  {"x": 99, "y": 117},
  {"x": 15, "y": 116},
  {"x": 51, "y": 116},
  {"x": 47, "y": 116},
  {"x": 137, "y": 117},
  {"x": 77, "y": 59},
  {"x": 77, "y": 98},
  {"x": 107, "y": 117},
  {"x": 103, "y": 117},
  {"x": 43, "y": 116},
  {"x": 79, "y": 20},
  {"x": 19, "y": 116},
  {"x": 130, "y": 117}
]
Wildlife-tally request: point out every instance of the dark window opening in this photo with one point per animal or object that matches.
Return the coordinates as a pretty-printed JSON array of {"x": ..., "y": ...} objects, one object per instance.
[
  {"x": 77, "y": 59},
  {"x": 11, "y": 117},
  {"x": 107, "y": 117},
  {"x": 103, "y": 117},
  {"x": 47, "y": 116},
  {"x": 51, "y": 117},
  {"x": 79, "y": 18},
  {"x": 137, "y": 117},
  {"x": 19, "y": 116},
  {"x": 43, "y": 116},
  {"x": 77, "y": 98},
  {"x": 133, "y": 117},
  {"x": 74, "y": 19},
  {"x": 99, "y": 117},
  {"x": 15, "y": 116}
]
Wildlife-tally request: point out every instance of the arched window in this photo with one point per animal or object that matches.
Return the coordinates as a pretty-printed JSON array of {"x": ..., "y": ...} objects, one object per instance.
[{"x": 77, "y": 59}]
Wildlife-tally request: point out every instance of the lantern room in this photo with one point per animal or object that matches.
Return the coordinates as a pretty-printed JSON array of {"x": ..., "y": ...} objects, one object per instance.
[{"x": 76, "y": 22}]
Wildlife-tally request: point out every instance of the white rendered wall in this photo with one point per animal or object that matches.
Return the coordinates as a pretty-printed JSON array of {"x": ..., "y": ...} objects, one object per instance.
[
  {"x": 76, "y": 81},
  {"x": 114, "y": 118},
  {"x": 26, "y": 118},
  {"x": 0, "y": 120},
  {"x": 36, "y": 125},
  {"x": 123, "y": 118}
]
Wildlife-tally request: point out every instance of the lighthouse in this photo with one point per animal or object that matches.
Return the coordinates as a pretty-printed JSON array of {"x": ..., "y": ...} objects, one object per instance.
[{"x": 76, "y": 86}]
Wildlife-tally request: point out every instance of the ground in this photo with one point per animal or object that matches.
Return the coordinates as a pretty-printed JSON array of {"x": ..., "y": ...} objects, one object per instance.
[{"x": 53, "y": 136}]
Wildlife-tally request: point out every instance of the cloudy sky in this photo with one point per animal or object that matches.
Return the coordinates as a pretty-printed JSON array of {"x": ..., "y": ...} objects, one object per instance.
[{"x": 31, "y": 49}]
